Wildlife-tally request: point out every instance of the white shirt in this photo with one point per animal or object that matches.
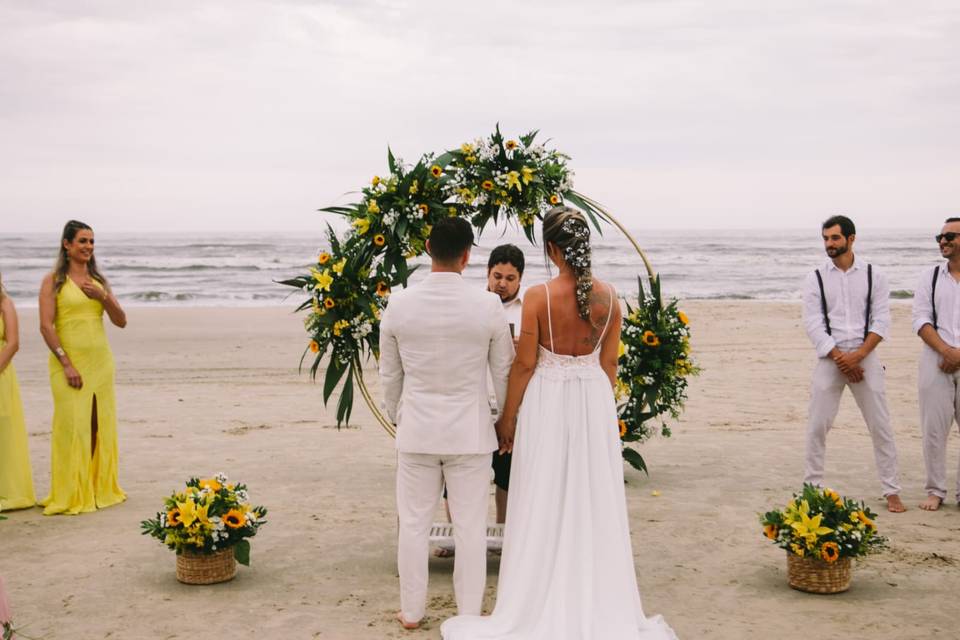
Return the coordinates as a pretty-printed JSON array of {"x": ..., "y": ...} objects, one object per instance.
[
  {"x": 514, "y": 311},
  {"x": 846, "y": 294},
  {"x": 948, "y": 304},
  {"x": 437, "y": 340}
]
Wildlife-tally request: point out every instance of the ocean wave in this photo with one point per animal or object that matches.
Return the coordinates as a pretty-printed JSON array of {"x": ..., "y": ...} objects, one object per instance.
[
  {"x": 184, "y": 268},
  {"x": 899, "y": 294}
]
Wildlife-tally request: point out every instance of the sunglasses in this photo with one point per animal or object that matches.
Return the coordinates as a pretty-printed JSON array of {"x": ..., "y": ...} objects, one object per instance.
[{"x": 949, "y": 236}]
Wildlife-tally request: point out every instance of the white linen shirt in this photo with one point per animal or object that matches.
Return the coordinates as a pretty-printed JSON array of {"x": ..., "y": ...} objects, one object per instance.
[
  {"x": 846, "y": 294},
  {"x": 514, "y": 311},
  {"x": 948, "y": 304}
]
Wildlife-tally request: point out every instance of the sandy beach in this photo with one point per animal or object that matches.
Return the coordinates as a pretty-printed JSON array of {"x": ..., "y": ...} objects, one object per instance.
[{"x": 202, "y": 390}]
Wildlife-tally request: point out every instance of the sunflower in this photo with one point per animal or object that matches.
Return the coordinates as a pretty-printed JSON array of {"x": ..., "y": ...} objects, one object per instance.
[
  {"x": 511, "y": 145},
  {"x": 683, "y": 317},
  {"x": 436, "y": 171},
  {"x": 329, "y": 303},
  {"x": 210, "y": 483},
  {"x": 771, "y": 531},
  {"x": 323, "y": 258},
  {"x": 487, "y": 185},
  {"x": 554, "y": 199},
  {"x": 314, "y": 346},
  {"x": 650, "y": 339},
  {"x": 424, "y": 209},
  {"x": 375, "y": 181},
  {"x": 234, "y": 519},
  {"x": 383, "y": 289},
  {"x": 623, "y": 427},
  {"x": 379, "y": 240},
  {"x": 173, "y": 517},
  {"x": 830, "y": 552}
]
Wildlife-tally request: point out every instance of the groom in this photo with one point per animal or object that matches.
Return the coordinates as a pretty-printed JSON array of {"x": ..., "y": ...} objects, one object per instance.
[{"x": 436, "y": 341}]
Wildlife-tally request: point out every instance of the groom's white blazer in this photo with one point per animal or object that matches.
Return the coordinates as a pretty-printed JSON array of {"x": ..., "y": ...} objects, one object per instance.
[{"x": 437, "y": 339}]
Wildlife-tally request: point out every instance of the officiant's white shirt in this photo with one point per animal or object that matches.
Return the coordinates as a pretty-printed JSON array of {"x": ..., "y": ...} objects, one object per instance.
[{"x": 437, "y": 340}]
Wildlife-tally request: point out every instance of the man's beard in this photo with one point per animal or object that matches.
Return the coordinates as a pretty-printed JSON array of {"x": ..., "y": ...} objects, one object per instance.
[
  {"x": 511, "y": 298},
  {"x": 834, "y": 252}
]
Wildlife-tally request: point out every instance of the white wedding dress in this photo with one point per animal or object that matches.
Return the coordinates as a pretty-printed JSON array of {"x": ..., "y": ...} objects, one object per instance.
[{"x": 566, "y": 571}]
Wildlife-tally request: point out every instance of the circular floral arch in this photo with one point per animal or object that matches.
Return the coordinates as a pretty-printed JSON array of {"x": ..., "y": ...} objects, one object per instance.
[{"x": 489, "y": 180}]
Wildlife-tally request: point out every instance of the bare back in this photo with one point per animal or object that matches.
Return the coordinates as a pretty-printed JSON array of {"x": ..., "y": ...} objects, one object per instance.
[{"x": 571, "y": 334}]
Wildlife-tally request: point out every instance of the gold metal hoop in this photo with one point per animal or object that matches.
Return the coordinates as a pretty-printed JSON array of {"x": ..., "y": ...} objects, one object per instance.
[{"x": 391, "y": 429}]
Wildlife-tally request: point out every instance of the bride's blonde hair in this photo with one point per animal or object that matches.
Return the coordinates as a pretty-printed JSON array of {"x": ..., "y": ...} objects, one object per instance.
[{"x": 567, "y": 228}]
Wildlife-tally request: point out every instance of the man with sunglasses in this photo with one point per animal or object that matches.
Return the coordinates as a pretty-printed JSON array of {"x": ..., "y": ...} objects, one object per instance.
[
  {"x": 846, "y": 313},
  {"x": 936, "y": 319}
]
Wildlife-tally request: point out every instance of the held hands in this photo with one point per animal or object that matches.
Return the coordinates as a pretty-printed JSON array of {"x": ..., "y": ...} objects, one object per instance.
[
  {"x": 506, "y": 428},
  {"x": 951, "y": 361}
]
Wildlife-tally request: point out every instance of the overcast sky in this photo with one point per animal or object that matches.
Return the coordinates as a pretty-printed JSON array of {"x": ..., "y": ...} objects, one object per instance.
[{"x": 678, "y": 114}]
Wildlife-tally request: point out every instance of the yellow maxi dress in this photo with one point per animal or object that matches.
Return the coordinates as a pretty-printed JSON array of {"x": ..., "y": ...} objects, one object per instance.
[
  {"x": 81, "y": 481},
  {"x": 16, "y": 477}
]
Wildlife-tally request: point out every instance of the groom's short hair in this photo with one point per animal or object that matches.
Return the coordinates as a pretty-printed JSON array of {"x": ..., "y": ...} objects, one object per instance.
[{"x": 449, "y": 238}]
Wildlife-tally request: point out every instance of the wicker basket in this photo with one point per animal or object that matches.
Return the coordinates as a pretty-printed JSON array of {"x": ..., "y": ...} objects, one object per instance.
[
  {"x": 816, "y": 576},
  {"x": 206, "y": 568}
]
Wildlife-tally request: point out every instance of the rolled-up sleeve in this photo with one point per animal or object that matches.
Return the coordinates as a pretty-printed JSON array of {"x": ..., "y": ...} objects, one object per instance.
[
  {"x": 880, "y": 306},
  {"x": 501, "y": 353},
  {"x": 922, "y": 303},
  {"x": 813, "y": 318}
]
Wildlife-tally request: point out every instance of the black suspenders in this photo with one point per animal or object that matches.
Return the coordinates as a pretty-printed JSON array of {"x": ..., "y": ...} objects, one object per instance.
[
  {"x": 933, "y": 295},
  {"x": 866, "y": 324}
]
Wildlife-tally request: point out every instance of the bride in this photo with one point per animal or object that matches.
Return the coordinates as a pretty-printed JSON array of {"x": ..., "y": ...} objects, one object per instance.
[{"x": 566, "y": 570}]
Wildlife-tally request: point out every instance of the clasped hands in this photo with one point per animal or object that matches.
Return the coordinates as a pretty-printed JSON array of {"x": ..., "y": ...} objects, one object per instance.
[
  {"x": 951, "y": 360},
  {"x": 849, "y": 363},
  {"x": 506, "y": 428}
]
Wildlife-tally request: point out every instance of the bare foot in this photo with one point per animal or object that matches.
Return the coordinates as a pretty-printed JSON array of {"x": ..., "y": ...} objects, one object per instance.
[
  {"x": 895, "y": 504},
  {"x": 444, "y": 552},
  {"x": 932, "y": 503},
  {"x": 407, "y": 625}
]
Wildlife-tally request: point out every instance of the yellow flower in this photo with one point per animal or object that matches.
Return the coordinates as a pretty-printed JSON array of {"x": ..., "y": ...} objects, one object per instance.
[
  {"x": 554, "y": 199},
  {"x": 329, "y": 303},
  {"x": 833, "y": 495},
  {"x": 424, "y": 209},
  {"x": 188, "y": 512},
  {"x": 339, "y": 326},
  {"x": 233, "y": 519},
  {"x": 383, "y": 289},
  {"x": 436, "y": 171},
  {"x": 683, "y": 317},
  {"x": 373, "y": 207},
  {"x": 809, "y": 528},
  {"x": 314, "y": 346},
  {"x": 830, "y": 552},
  {"x": 414, "y": 187},
  {"x": 428, "y": 228},
  {"x": 511, "y": 145},
  {"x": 379, "y": 240},
  {"x": 471, "y": 159},
  {"x": 487, "y": 185},
  {"x": 338, "y": 267},
  {"x": 527, "y": 175},
  {"x": 451, "y": 211},
  {"x": 466, "y": 148},
  {"x": 173, "y": 518},
  {"x": 797, "y": 549},
  {"x": 650, "y": 339},
  {"x": 210, "y": 483},
  {"x": 771, "y": 531},
  {"x": 375, "y": 181},
  {"x": 375, "y": 310},
  {"x": 862, "y": 517},
  {"x": 795, "y": 509},
  {"x": 621, "y": 390},
  {"x": 621, "y": 349},
  {"x": 513, "y": 180},
  {"x": 323, "y": 258},
  {"x": 362, "y": 225},
  {"x": 623, "y": 427},
  {"x": 323, "y": 278}
]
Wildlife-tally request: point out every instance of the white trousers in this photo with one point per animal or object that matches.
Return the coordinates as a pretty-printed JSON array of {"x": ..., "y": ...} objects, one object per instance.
[
  {"x": 825, "y": 393},
  {"x": 939, "y": 407},
  {"x": 420, "y": 481}
]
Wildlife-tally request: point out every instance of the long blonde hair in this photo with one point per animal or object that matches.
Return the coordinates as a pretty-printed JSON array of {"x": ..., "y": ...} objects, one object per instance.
[
  {"x": 63, "y": 261},
  {"x": 567, "y": 228}
]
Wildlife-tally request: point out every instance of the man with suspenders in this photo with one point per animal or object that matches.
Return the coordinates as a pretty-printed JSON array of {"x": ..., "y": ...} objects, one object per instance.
[
  {"x": 846, "y": 313},
  {"x": 936, "y": 319}
]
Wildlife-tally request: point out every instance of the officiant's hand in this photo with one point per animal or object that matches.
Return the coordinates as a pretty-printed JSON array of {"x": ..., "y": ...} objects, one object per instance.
[
  {"x": 855, "y": 375},
  {"x": 506, "y": 428}
]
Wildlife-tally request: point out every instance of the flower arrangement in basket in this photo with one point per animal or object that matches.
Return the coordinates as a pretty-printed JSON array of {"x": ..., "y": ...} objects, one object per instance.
[
  {"x": 821, "y": 531},
  {"x": 208, "y": 524}
]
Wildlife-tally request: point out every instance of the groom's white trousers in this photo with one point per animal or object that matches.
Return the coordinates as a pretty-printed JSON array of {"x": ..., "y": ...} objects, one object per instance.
[
  {"x": 420, "y": 480},
  {"x": 939, "y": 407},
  {"x": 825, "y": 393}
]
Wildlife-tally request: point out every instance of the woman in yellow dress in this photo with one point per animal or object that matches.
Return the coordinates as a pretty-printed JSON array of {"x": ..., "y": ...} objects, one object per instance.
[
  {"x": 16, "y": 478},
  {"x": 84, "y": 458}
]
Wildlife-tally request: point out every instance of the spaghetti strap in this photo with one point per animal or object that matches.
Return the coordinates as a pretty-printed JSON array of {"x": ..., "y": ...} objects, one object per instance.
[
  {"x": 549, "y": 320},
  {"x": 609, "y": 315}
]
